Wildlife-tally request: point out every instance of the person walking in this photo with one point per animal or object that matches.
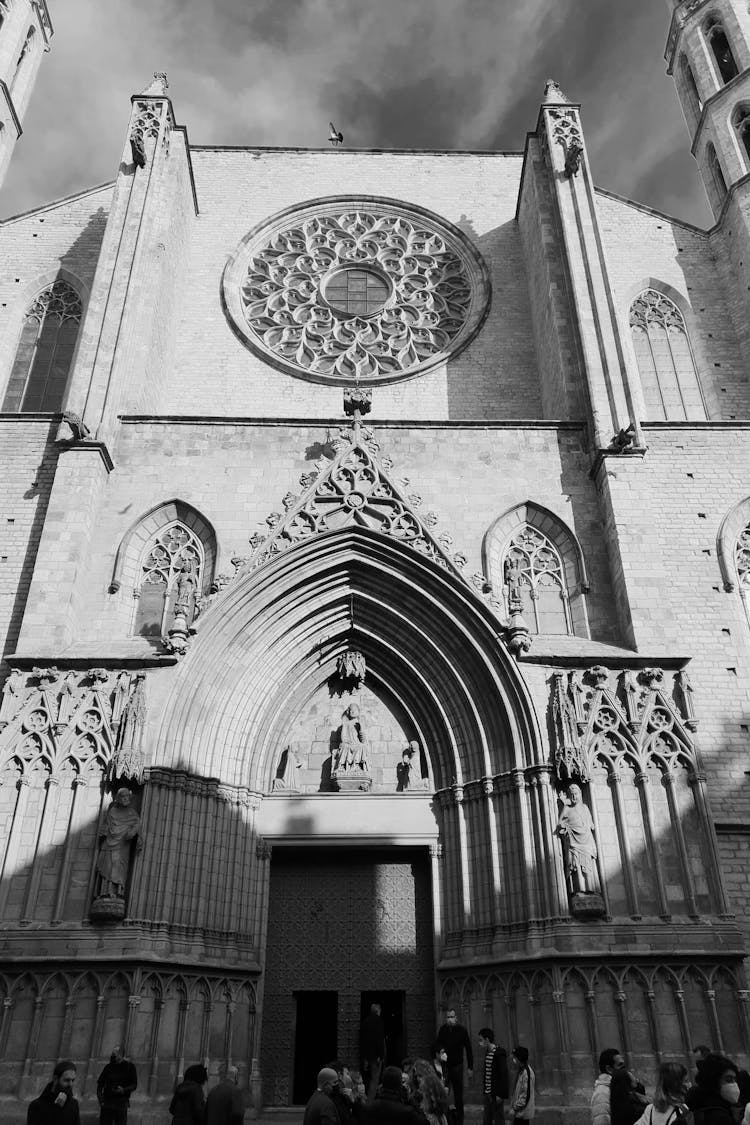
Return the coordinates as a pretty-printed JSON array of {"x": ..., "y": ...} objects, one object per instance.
[
  {"x": 372, "y": 1048},
  {"x": 455, "y": 1038},
  {"x": 56, "y": 1104},
  {"x": 188, "y": 1105},
  {"x": 225, "y": 1104},
  {"x": 522, "y": 1105},
  {"x": 495, "y": 1088},
  {"x": 114, "y": 1086},
  {"x": 610, "y": 1061}
]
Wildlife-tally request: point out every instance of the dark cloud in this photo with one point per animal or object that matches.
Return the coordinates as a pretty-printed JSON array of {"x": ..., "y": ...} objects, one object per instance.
[{"x": 453, "y": 74}]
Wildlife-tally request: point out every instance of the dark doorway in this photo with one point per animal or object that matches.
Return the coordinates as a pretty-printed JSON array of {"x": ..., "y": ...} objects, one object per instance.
[
  {"x": 392, "y": 1012},
  {"x": 315, "y": 1039}
]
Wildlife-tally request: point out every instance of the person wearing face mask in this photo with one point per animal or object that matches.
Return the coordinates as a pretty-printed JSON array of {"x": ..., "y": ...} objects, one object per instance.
[{"x": 716, "y": 1093}]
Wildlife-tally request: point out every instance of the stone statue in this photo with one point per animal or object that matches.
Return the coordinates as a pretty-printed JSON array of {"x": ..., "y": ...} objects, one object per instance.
[
  {"x": 68, "y": 699},
  {"x": 187, "y": 589},
  {"x": 575, "y": 828},
  {"x": 409, "y": 770},
  {"x": 352, "y": 749},
  {"x": 286, "y": 778},
  {"x": 121, "y": 827},
  {"x": 14, "y": 695}
]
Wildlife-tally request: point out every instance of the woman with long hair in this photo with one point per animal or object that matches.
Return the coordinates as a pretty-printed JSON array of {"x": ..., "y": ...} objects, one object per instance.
[
  {"x": 427, "y": 1092},
  {"x": 716, "y": 1093},
  {"x": 668, "y": 1106}
]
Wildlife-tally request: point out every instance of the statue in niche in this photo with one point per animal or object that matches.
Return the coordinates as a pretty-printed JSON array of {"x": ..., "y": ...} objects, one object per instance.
[
  {"x": 351, "y": 762},
  {"x": 352, "y": 749},
  {"x": 286, "y": 775},
  {"x": 187, "y": 590},
  {"x": 409, "y": 770},
  {"x": 575, "y": 827},
  {"x": 120, "y": 829}
]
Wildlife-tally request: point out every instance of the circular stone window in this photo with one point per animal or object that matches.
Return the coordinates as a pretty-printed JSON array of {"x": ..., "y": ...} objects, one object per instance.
[{"x": 343, "y": 289}]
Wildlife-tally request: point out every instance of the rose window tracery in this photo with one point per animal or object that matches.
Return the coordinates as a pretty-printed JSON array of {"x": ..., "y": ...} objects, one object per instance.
[{"x": 366, "y": 291}]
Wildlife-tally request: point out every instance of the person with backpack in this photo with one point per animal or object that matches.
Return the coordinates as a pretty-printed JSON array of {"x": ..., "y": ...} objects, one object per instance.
[{"x": 668, "y": 1106}]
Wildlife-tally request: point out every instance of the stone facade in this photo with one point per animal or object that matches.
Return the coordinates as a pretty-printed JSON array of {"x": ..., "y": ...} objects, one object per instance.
[{"x": 524, "y": 564}]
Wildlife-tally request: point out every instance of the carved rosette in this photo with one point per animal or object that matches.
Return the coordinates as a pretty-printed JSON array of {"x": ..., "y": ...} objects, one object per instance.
[{"x": 353, "y": 289}]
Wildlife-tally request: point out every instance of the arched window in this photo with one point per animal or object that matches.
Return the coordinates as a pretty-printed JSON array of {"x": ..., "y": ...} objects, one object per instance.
[
  {"x": 535, "y": 549},
  {"x": 742, "y": 566},
  {"x": 173, "y": 559},
  {"x": 665, "y": 360},
  {"x": 720, "y": 184},
  {"x": 691, "y": 90},
  {"x": 539, "y": 570},
  {"x": 45, "y": 351},
  {"x": 721, "y": 50},
  {"x": 741, "y": 122}
]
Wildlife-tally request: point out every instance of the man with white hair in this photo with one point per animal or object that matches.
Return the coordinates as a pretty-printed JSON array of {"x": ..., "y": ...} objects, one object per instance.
[{"x": 225, "y": 1104}]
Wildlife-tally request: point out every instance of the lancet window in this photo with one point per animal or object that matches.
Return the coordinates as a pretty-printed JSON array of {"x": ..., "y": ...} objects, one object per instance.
[
  {"x": 741, "y": 122},
  {"x": 690, "y": 88},
  {"x": 171, "y": 567},
  {"x": 533, "y": 561},
  {"x": 721, "y": 50},
  {"x": 717, "y": 175},
  {"x": 669, "y": 380},
  {"x": 45, "y": 351},
  {"x": 27, "y": 45}
]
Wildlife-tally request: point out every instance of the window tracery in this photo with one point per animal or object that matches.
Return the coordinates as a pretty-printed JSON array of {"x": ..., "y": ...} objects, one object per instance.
[
  {"x": 539, "y": 571},
  {"x": 349, "y": 289},
  {"x": 168, "y": 553},
  {"x": 45, "y": 351},
  {"x": 665, "y": 360}
]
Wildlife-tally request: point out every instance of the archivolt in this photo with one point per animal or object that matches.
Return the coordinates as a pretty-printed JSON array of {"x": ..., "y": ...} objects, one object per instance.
[{"x": 273, "y": 638}]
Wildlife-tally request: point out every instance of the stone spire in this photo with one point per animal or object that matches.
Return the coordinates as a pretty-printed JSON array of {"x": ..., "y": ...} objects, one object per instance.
[{"x": 553, "y": 95}]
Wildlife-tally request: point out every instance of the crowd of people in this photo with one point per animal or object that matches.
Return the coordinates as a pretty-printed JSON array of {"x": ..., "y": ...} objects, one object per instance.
[
  {"x": 423, "y": 1091},
  {"x": 426, "y": 1091},
  {"x": 717, "y": 1094}
]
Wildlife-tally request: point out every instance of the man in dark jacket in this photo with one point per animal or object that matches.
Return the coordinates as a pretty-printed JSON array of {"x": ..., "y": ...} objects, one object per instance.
[
  {"x": 455, "y": 1038},
  {"x": 56, "y": 1104},
  {"x": 114, "y": 1087},
  {"x": 496, "y": 1086},
  {"x": 225, "y": 1104},
  {"x": 389, "y": 1107},
  {"x": 372, "y": 1049},
  {"x": 321, "y": 1109}
]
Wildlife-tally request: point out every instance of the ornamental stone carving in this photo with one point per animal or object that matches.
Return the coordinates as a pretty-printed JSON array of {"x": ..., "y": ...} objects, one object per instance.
[{"x": 354, "y": 289}]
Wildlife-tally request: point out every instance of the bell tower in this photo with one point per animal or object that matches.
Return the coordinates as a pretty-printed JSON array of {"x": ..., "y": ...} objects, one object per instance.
[
  {"x": 25, "y": 35},
  {"x": 708, "y": 55}
]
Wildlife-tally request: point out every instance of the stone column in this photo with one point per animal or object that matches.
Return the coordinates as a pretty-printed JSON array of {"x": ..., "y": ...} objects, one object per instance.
[
  {"x": 614, "y": 782},
  {"x": 642, "y": 780},
  {"x": 679, "y": 835}
]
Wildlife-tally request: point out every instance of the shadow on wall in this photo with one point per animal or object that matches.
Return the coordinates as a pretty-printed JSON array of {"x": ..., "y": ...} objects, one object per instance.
[
  {"x": 496, "y": 375},
  {"x": 338, "y": 921},
  {"x": 77, "y": 266}
]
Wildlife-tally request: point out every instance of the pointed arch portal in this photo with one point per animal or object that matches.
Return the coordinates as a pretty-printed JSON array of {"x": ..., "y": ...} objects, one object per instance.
[{"x": 431, "y": 646}]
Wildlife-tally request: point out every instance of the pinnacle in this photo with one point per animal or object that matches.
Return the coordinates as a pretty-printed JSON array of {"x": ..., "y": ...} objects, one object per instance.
[
  {"x": 552, "y": 93},
  {"x": 158, "y": 86}
]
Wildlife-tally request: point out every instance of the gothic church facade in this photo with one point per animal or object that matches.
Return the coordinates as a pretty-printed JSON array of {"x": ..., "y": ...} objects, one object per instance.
[{"x": 381, "y": 522}]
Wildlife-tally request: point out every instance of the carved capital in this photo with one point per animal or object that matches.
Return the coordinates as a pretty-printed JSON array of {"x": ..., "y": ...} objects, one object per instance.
[
  {"x": 262, "y": 849},
  {"x": 436, "y": 850}
]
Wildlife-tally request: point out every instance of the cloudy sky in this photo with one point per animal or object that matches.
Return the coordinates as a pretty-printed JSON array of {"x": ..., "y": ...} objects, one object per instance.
[{"x": 452, "y": 74}]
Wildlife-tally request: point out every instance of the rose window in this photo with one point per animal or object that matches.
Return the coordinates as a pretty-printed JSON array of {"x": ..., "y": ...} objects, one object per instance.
[{"x": 343, "y": 290}]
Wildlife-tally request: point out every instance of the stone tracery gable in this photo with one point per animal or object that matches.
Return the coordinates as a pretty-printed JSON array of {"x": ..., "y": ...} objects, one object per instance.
[
  {"x": 428, "y": 290},
  {"x": 635, "y": 718},
  {"x": 354, "y": 489}
]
